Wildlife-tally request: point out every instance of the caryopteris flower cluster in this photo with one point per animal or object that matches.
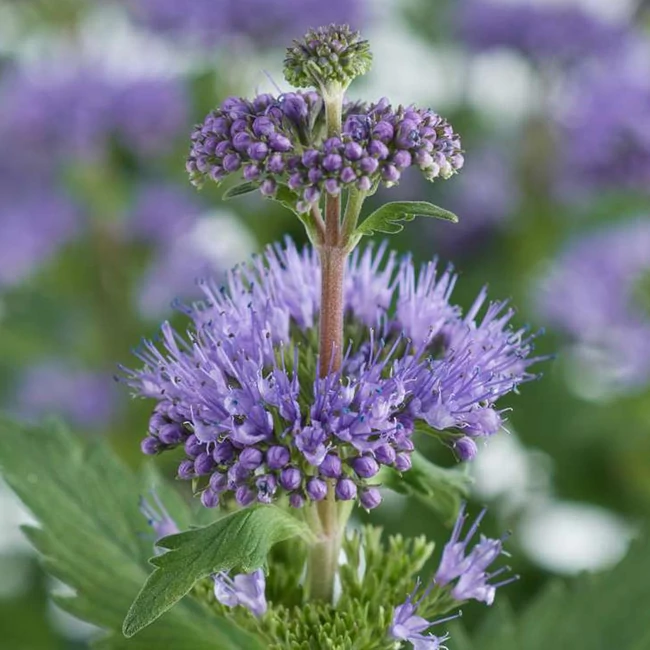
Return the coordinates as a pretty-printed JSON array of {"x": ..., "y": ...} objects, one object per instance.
[
  {"x": 283, "y": 141},
  {"x": 255, "y": 425},
  {"x": 304, "y": 377}
]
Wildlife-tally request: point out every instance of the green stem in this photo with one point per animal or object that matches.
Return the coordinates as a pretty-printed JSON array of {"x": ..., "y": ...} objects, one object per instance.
[{"x": 351, "y": 218}]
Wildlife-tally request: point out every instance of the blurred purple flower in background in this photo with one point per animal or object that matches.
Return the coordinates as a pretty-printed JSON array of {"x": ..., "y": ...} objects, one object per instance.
[
  {"x": 85, "y": 399},
  {"x": 263, "y": 23},
  {"x": 161, "y": 212},
  {"x": 595, "y": 291},
  {"x": 51, "y": 115},
  {"x": 483, "y": 196},
  {"x": 605, "y": 131},
  {"x": 204, "y": 247},
  {"x": 537, "y": 31},
  {"x": 33, "y": 226}
]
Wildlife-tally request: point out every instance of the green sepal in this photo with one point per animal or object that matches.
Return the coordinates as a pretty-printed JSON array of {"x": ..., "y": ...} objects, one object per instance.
[
  {"x": 439, "y": 488},
  {"x": 388, "y": 218},
  {"x": 240, "y": 541},
  {"x": 239, "y": 190}
]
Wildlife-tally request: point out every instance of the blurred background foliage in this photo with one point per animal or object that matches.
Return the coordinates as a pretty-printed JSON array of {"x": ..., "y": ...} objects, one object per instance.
[{"x": 100, "y": 231}]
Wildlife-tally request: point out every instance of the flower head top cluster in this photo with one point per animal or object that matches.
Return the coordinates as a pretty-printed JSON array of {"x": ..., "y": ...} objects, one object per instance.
[
  {"x": 597, "y": 292},
  {"x": 279, "y": 141},
  {"x": 241, "y": 396},
  {"x": 286, "y": 145}
]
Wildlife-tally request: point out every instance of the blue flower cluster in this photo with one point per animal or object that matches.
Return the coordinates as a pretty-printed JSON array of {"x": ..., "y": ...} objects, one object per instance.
[
  {"x": 279, "y": 141},
  {"x": 239, "y": 393}
]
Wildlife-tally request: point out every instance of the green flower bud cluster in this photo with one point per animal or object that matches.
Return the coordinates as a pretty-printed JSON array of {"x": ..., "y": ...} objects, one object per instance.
[{"x": 326, "y": 57}]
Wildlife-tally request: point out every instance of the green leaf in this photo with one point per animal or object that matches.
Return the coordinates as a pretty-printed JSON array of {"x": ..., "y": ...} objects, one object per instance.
[
  {"x": 239, "y": 190},
  {"x": 240, "y": 541},
  {"x": 93, "y": 537},
  {"x": 387, "y": 218},
  {"x": 439, "y": 488},
  {"x": 594, "y": 612}
]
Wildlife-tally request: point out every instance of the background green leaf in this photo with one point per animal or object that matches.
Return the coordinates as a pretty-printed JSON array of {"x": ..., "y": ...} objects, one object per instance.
[
  {"x": 596, "y": 612},
  {"x": 93, "y": 537},
  {"x": 240, "y": 541}
]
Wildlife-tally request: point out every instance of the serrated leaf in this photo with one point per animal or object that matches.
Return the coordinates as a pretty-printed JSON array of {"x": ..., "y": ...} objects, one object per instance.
[
  {"x": 388, "y": 218},
  {"x": 93, "y": 537},
  {"x": 241, "y": 542},
  {"x": 439, "y": 488},
  {"x": 239, "y": 190}
]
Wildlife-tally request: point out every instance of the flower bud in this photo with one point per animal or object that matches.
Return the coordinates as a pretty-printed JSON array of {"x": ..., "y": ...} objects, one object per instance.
[
  {"x": 203, "y": 464},
  {"x": 403, "y": 462},
  {"x": 258, "y": 151},
  {"x": 171, "y": 434},
  {"x": 385, "y": 454},
  {"x": 277, "y": 457},
  {"x": 290, "y": 478},
  {"x": 370, "y": 498},
  {"x": 209, "y": 498},
  {"x": 219, "y": 482},
  {"x": 296, "y": 500},
  {"x": 193, "y": 446},
  {"x": 332, "y": 162},
  {"x": 365, "y": 466},
  {"x": 231, "y": 162},
  {"x": 346, "y": 489},
  {"x": 244, "y": 495},
  {"x": 186, "y": 470},
  {"x": 263, "y": 126},
  {"x": 223, "y": 452},
  {"x": 331, "y": 466},
  {"x": 150, "y": 446},
  {"x": 316, "y": 489},
  {"x": 251, "y": 458},
  {"x": 465, "y": 448}
]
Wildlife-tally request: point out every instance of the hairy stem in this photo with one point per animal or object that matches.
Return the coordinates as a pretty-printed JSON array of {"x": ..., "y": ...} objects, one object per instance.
[{"x": 328, "y": 517}]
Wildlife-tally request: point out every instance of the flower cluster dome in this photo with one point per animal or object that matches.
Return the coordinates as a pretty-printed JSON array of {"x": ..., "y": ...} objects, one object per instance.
[
  {"x": 239, "y": 394},
  {"x": 282, "y": 141}
]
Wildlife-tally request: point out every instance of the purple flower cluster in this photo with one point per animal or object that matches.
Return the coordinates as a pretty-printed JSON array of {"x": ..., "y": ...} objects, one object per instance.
[
  {"x": 261, "y": 23},
  {"x": 469, "y": 570},
  {"x": 253, "y": 425},
  {"x": 595, "y": 292},
  {"x": 277, "y": 141},
  {"x": 537, "y": 31},
  {"x": 464, "y": 574}
]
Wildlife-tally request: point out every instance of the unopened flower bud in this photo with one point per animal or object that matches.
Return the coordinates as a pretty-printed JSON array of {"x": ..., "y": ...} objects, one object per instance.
[
  {"x": 316, "y": 489},
  {"x": 346, "y": 489},
  {"x": 370, "y": 498}
]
